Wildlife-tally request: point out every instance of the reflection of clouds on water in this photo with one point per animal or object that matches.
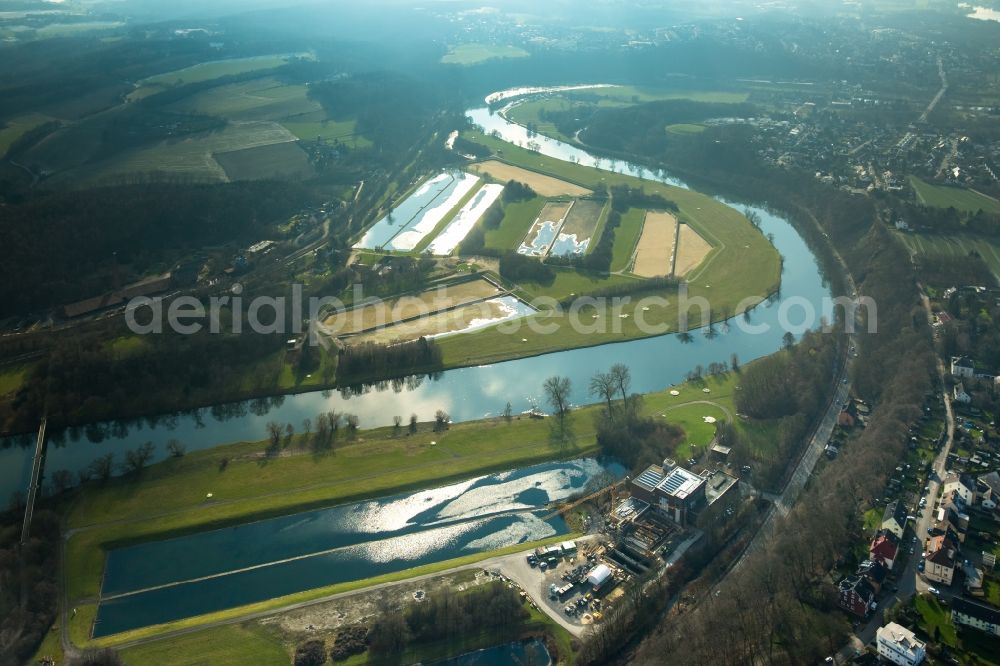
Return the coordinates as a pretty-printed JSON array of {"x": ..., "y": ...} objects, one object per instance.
[
  {"x": 510, "y": 494},
  {"x": 526, "y": 528},
  {"x": 389, "y": 516},
  {"x": 418, "y": 545}
]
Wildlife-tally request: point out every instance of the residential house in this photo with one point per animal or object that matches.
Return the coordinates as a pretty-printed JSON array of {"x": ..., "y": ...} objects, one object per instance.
[
  {"x": 899, "y": 645},
  {"x": 857, "y": 596},
  {"x": 894, "y": 518},
  {"x": 884, "y": 548},
  {"x": 988, "y": 490},
  {"x": 673, "y": 489},
  {"x": 959, "y": 394},
  {"x": 973, "y": 579},
  {"x": 963, "y": 366},
  {"x": 875, "y": 573},
  {"x": 981, "y": 616},
  {"x": 939, "y": 563},
  {"x": 962, "y": 484},
  {"x": 948, "y": 521}
]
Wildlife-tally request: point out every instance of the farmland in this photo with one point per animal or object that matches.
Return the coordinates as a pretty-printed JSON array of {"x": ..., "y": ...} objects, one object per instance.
[
  {"x": 956, "y": 246},
  {"x": 543, "y": 232},
  {"x": 206, "y": 71},
  {"x": 940, "y": 196},
  {"x": 259, "y": 99},
  {"x": 16, "y": 127},
  {"x": 473, "y": 54},
  {"x": 405, "y": 307},
  {"x": 458, "y": 228},
  {"x": 692, "y": 250},
  {"x": 343, "y": 131},
  {"x": 543, "y": 185},
  {"x": 626, "y": 239},
  {"x": 462, "y": 318},
  {"x": 191, "y": 156},
  {"x": 578, "y": 230},
  {"x": 276, "y": 160},
  {"x": 655, "y": 253},
  {"x": 743, "y": 264},
  {"x": 518, "y": 218}
]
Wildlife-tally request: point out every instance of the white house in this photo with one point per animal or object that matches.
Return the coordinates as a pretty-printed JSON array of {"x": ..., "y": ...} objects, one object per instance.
[
  {"x": 963, "y": 366},
  {"x": 959, "y": 394},
  {"x": 961, "y": 484},
  {"x": 899, "y": 645}
]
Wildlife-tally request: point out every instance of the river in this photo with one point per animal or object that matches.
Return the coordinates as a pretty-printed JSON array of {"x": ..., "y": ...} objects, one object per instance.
[
  {"x": 166, "y": 580},
  {"x": 475, "y": 392}
]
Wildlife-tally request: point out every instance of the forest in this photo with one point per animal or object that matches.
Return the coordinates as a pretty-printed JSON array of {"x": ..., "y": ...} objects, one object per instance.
[{"x": 75, "y": 245}]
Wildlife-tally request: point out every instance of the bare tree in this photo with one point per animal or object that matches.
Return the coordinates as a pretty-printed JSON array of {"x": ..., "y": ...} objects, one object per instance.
[
  {"x": 441, "y": 420},
  {"x": 603, "y": 385},
  {"x": 136, "y": 459},
  {"x": 413, "y": 424},
  {"x": 622, "y": 378},
  {"x": 103, "y": 467},
  {"x": 274, "y": 431},
  {"x": 397, "y": 422},
  {"x": 175, "y": 448},
  {"x": 557, "y": 391},
  {"x": 507, "y": 412}
]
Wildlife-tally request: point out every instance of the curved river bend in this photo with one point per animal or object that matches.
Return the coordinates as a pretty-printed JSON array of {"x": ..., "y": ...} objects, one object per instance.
[{"x": 476, "y": 392}]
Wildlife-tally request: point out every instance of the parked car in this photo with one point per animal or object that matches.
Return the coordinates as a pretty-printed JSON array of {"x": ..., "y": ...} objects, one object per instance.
[{"x": 934, "y": 590}]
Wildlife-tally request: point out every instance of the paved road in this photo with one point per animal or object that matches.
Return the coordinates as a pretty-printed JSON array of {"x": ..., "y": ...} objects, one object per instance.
[{"x": 910, "y": 581}]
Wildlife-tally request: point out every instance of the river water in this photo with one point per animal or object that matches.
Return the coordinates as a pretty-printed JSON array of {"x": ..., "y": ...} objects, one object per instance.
[
  {"x": 475, "y": 392},
  {"x": 160, "y": 581}
]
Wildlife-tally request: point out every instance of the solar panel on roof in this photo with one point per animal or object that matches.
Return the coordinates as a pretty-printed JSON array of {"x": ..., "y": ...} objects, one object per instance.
[{"x": 649, "y": 478}]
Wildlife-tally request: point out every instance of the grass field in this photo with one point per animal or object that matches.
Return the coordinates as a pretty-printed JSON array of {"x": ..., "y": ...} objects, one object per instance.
[
  {"x": 227, "y": 645},
  {"x": 277, "y": 160},
  {"x": 569, "y": 282},
  {"x": 742, "y": 265},
  {"x": 691, "y": 251},
  {"x": 260, "y": 99},
  {"x": 472, "y": 54},
  {"x": 940, "y": 196},
  {"x": 191, "y": 156},
  {"x": 957, "y": 246},
  {"x": 518, "y": 218},
  {"x": 545, "y": 186},
  {"x": 685, "y": 128},
  {"x": 207, "y": 71},
  {"x": 12, "y": 376},
  {"x": 329, "y": 131},
  {"x": 655, "y": 253},
  {"x": 530, "y": 111},
  {"x": 16, "y": 127},
  {"x": 626, "y": 237}
]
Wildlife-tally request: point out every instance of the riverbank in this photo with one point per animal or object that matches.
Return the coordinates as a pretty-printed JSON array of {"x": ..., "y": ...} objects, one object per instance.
[
  {"x": 742, "y": 270},
  {"x": 171, "y": 498}
]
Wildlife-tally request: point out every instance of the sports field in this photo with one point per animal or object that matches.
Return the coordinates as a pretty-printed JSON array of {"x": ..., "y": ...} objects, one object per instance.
[
  {"x": 654, "y": 256},
  {"x": 472, "y": 54},
  {"x": 545, "y": 186},
  {"x": 957, "y": 246},
  {"x": 941, "y": 196},
  {"x": 685, "y": 128},
  {"x": 691, "y": 252}
]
